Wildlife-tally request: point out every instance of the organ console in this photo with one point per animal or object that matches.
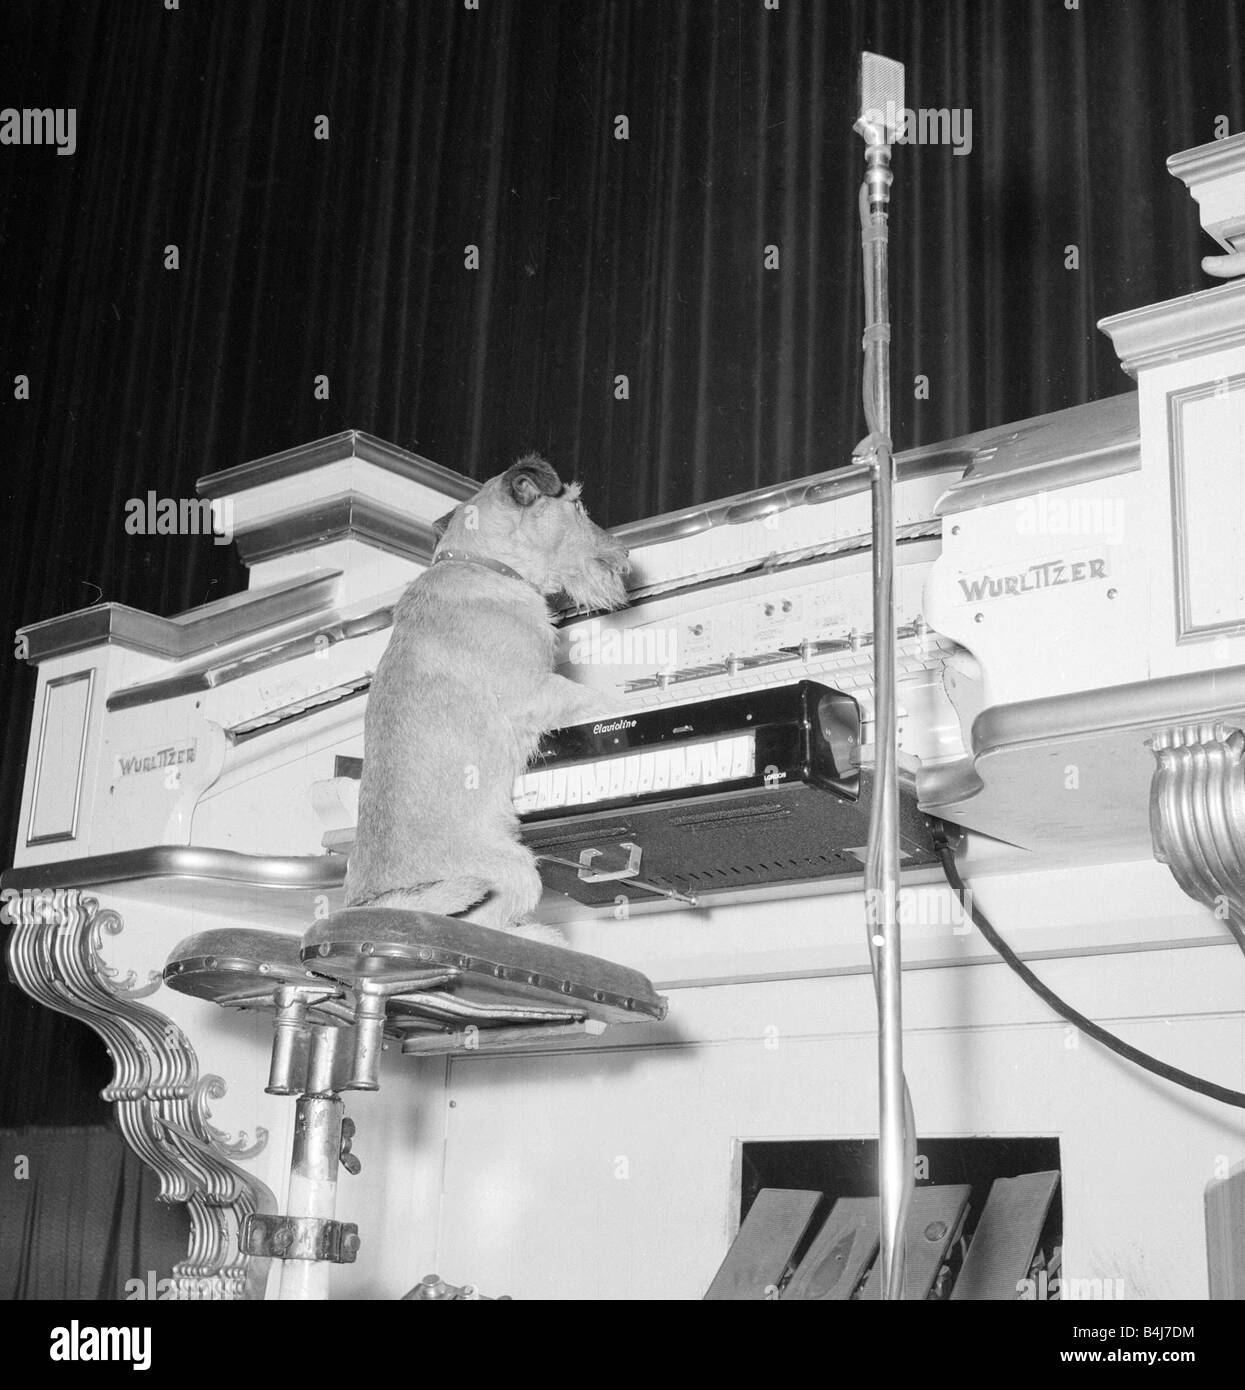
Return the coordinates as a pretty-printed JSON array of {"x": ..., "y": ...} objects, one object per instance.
[{"x": 1070, "y": 605}]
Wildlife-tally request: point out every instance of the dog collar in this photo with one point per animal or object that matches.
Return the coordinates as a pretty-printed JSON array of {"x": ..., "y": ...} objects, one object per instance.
[{"x": 464, "y": 557}]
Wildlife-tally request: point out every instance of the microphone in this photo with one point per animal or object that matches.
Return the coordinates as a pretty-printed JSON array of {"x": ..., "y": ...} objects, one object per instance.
[{"x": 880, "y": 122}]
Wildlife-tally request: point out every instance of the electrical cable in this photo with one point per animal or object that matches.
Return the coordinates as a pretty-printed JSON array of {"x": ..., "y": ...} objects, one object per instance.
[{"x": 1087, "y": 1026}]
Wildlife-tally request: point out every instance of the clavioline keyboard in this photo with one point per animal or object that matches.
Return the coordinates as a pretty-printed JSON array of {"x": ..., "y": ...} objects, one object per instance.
[{"x": 755, "y": 789}]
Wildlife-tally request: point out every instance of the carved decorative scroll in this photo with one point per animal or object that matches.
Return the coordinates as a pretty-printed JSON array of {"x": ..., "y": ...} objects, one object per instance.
[
  {"x": 1197, "y": 815},
  {"x": 54, "y": 955},
  {"x": 213, "y": 1088}
]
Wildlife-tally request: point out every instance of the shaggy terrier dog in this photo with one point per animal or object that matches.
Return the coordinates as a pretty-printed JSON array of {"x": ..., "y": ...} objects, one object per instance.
[{"x": 462, "y": 696}]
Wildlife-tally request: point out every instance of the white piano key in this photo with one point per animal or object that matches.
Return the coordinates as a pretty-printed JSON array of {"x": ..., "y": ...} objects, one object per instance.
[
  {"x": 709, "y": 763},
  {"x": 544, "y": 788},
  {"x": 661, "y": 769},
  {"x": 631, "y": 776},
  {"x": 574, "y": 786},
  {"x": 678, "y": 767},
  {"x": 742, "y": 756},
  {"x": 557, "y": 788},
  {"x": 695, "y": 753},
  {"x": 617, "y": 773},
  {"x": 587, "y": 783},
  {"x": 602, "y": 780},
  {"x": 648, "y": 770}
]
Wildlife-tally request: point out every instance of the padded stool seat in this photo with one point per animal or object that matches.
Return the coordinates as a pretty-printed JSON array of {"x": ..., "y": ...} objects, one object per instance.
[
  {"x": 436, "y": 983},
  {"x": 493, "y": 971},
  {"x": 237, "y": 967}
]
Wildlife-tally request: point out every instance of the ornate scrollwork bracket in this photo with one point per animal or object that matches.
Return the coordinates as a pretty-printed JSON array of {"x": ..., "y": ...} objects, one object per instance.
[
  {"x": 213, "y": 1088},
  {"x": 161, "y": 1101},
  {"x": 1197, "y": 815}
]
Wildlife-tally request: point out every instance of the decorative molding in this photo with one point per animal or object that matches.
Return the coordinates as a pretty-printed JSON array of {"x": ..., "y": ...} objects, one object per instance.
[
  {"x": 1070, "y": 448},
  {"x": 1213, "y": 695},
  {"x": 1178, "y": 403},
  {"x": 1197, "y": 815},
  {"x": 159, "y": 1098},
  {"x": 337, "y": 448},
  {"x": 846, "y": 480},
  {"x": 198, "y": 630},
  {"x": 1194, "y": 325},
  {"x": 351, "y": 516},
  {"x": 1214, "y": 174}
]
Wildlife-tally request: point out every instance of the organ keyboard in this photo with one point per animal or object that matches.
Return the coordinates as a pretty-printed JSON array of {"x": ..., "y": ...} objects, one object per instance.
[{"x": 634, "y": 777}]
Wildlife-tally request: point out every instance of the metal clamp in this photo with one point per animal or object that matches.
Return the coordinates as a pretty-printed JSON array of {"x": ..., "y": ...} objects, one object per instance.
[
  {"x": 628, "y": 873},
  {"x": 300, "y": 1238},
  {"x": 631, "y": 869}
]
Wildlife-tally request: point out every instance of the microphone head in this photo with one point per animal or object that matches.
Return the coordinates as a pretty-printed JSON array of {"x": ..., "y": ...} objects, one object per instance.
[{"x": 881, "y": 99}]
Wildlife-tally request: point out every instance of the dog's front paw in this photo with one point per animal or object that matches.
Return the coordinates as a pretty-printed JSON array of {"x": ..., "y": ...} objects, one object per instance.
[{"x": 588, "y": 705}]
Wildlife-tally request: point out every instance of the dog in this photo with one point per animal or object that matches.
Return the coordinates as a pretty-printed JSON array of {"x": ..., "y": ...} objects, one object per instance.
[{"x": 463, "y": 694}]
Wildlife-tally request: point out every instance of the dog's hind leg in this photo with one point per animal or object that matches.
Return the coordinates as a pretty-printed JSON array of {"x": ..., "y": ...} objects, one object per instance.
[
  {"x": 516, "y": 889},
  {"x": 446, "y": 897}
]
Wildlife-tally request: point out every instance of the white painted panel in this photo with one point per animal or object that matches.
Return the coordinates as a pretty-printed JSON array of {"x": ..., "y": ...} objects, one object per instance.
[
  {"x": 1208, "y": 484},
  {"x": 62, "y": 749},
  {"x": 615, "y": 1175}
]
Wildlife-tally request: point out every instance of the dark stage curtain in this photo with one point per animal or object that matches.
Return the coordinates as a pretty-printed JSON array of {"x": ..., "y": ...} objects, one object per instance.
[
  {"x": 80, "y": 1218},
  {"x": 452, "y": 126}
]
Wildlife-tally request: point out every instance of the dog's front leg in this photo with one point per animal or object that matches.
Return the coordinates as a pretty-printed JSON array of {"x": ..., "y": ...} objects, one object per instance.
[{"x": 559, "y": 702}]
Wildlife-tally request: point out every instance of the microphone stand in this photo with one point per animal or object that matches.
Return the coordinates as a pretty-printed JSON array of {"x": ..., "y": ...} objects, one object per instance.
[{"x": 896, "y": 1132}]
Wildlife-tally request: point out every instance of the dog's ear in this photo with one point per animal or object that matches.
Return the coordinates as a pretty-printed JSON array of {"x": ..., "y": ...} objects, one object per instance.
[
  {"x": 441, "y": 524},
  {"x": 530, "y": 479}
]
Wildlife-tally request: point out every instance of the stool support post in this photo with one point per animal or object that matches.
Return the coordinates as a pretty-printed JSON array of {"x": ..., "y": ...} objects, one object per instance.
[
  {"x": 314, "y": 1163},
  {"x": 289, "y": 1036},
  {"x": 370, "y": 1007}
]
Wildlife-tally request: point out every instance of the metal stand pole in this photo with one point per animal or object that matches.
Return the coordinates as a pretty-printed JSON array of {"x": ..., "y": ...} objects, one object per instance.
[
  {"x": 882, "y": 865},
  {"x": 314, "y": 1163}
]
